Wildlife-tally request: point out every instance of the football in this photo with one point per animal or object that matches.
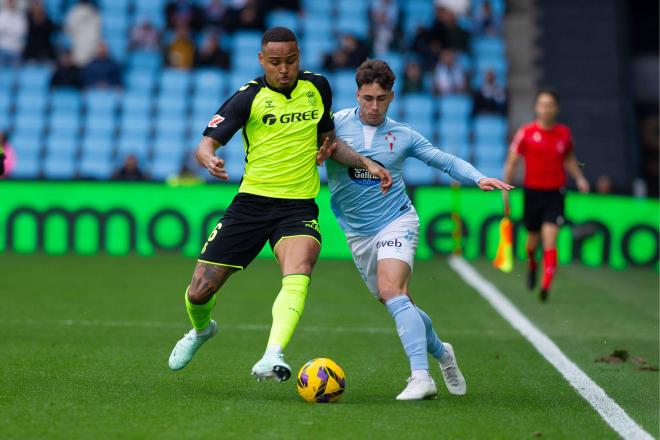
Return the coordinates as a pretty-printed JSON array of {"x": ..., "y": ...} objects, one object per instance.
[{"x": 321, "y": 381}]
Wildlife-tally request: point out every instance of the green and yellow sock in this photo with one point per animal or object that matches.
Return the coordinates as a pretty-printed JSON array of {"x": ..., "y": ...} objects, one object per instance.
[
  {"x": 287, "y": 309},
  {"x": 200, "y": 314}
]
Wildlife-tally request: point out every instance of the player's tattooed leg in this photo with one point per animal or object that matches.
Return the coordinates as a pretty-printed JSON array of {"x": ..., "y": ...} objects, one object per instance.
[{"x": 206, "y": 280}]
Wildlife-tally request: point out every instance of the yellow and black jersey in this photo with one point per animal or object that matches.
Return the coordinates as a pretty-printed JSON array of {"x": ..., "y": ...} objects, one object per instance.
[{"x": 280, "y": 134}]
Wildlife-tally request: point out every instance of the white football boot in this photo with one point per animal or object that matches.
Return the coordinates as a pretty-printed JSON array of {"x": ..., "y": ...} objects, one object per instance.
[
  {"x": 451, "y": 373},
  {"x": 187, "y": 346},
  {"x": 272, "y": 366},
  {"x": 419, "y": 389}
]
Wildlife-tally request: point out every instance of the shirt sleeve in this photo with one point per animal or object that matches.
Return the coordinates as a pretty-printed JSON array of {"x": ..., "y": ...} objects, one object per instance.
[
  {"x": 232, "y": 115},
  {"x": 457, "y": 168},
  {"x": 327, "y": 119},
  {"x": 518, "y": 144},
  {"x": 570, "y": 143}
]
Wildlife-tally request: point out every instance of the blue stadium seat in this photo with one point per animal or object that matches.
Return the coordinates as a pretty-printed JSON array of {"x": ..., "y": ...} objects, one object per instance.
[
  {"x": 198, "y": 121},
  {"x": 206, "y": 104},
  {"x": 417, "y": 173},
  {"x": 145, "y": 60},
  {"x": 234, "y": 150},
  {"x": 317, "y": 8},
  {"x": 129, "y": 124},
  {"x": 418, "y": 107},
  {"x": 171, "y": 105},
  {"x": 288, "y": 19},
  {"x": 133, "y": 143},
  {"x": 353, "y": 23},
  {"x": 395, "y": 111},
  {"x": 95, "y": 166},
  {"x": 490, "y": 151},
  {"x": 459, "y": 149},
  {"x": 6, "y": 99},
  {"x": 488, "y": 46},
  {"x": 101, "y": 102},
  {"x": 165, "y": 166},
  {"x": 112, "y": 7},
  {"x": 235, "y": 168},
  {"x": 61, "y": 145},
  {"x": 139, "y": 80},
  {"x": 498, "y": 6},
  {"x": 57, "y": 166},
  {"x": 318, "y": 26},
  {"x": 34, "y": 77},
  {"x": 344, "y": 81},
  {"x": 26, "y": 142},
  {"x": 100, "y": 125},
  {"x": 247, "y": 42},
  {"x": 454, "y": 131},
  {"x": 96, "y": 145},
  {"x": 28, "y": 120},
  {"x": 55, "y": 10},
  {"x": 455, "y": 106},
  {"x": 313, "y": 50},
  {"x": 136, "y": 105},
  {"x": 65, "y": 122},
  {"x": 117, "y": 46},
  {"x": 175, "y": 81},
  {"x": 210, "y": 82},
  {"x": 65, "y": 100},
  {"x": 423, "y": 126},
  {"x": 164, "y": 145},
  {"x": 490, "y": 129},
  {"x": 356, "y": 7},
  {"x": 323, "y": 174},
  {"x": 28, "y": 165},
  {"x": 8, "y": 77},
  {"x": 31, "y": 101},
  {"x": 173, "y": 128},
  {"x": 343, "y": 100}
]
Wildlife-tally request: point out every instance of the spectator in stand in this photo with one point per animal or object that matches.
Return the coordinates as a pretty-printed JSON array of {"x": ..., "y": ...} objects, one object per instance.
[
  {"x": 211, "y": 54},
  {"x": 144, "y": 36},
  {"x": 7, "y": 156},
  {"x": 180, "y": 53},
  {"x": 83, "y": 26},
  {"x": 349, "y": 55},
  {"x": 130, "y": 170},
  {"x": 456, "y": 7},
  {"x": 413, "y": 78},
  {"x": 40, "y": 31},
  {"x": 491, "y": 97},
  {"x": 384, "y": 16},
  {"x": 66, "y": 73},
  {"x": 102, "y": 71},
  {"x": 184, "y": 11},
  {"x": 455, "y": 37},
  {"x": 449, "y": 76},
  {"x": 485, "y": 21},
  {"x": 13, "y": 30},
  {"x": 246, "y": 15},
  {"x": 215, "y": 14}
]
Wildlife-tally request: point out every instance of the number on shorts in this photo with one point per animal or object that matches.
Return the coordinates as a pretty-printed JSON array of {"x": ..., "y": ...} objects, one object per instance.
[{"x": 212, "y": 236}]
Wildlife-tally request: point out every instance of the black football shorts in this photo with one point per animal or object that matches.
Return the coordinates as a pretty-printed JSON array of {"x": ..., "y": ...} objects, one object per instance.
[
  {"x": 251, "y": 220},
  {"x": 543, "y": 207}
]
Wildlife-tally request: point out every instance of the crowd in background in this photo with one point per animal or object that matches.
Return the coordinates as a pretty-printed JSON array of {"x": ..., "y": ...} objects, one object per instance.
[{"x": 193, "y": 36}]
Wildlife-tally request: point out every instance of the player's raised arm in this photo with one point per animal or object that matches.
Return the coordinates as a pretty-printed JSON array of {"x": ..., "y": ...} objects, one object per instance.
[
  {"x": 206, "y": 157},
  {"x": 345, "y": 155}
]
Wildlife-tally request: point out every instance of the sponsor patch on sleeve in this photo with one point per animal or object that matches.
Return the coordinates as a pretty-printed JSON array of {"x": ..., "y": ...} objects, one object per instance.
[{"x": 215, "y": 120}]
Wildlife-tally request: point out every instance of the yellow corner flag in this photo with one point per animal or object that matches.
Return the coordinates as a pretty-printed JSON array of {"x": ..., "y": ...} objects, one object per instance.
[{"x": 504, "y": 257}]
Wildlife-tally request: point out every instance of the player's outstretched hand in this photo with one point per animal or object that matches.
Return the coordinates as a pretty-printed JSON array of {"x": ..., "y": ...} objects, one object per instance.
[
  {"x": 325, "y": 151},
  {"x": 491, "y": 183},
  {"x": 382, "y": 174},
  {"x": 216, "y": 167}
]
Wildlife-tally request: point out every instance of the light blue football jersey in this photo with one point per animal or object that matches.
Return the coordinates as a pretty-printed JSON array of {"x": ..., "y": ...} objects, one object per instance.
[{"x": 358, "y": 204}]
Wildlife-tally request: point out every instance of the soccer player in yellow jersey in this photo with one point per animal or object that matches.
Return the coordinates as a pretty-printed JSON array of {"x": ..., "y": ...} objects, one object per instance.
[{"x": 283, "y": 114}]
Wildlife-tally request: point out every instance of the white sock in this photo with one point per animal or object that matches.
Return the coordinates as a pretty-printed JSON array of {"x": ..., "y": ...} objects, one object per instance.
[{"x": 420, "y": 374}]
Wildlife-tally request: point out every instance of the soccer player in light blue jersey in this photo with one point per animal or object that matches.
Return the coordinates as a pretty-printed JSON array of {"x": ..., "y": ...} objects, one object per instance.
[{"x": 382, "y": 230}]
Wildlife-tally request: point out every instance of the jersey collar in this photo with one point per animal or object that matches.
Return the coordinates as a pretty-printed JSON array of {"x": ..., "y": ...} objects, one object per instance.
[{"x": 287, "y": 95}]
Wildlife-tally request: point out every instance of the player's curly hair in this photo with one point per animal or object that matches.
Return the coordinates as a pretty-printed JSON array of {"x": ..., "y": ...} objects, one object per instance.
[
  {"x": 278, "y": 34},
  {"x": 375, "y": 71}
]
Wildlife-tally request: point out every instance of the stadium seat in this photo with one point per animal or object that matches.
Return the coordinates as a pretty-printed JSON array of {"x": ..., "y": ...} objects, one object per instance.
[
  {"x": 490, "y": 129},
  {"x": 65, "y": 100},
  {"x": 130, "y": 124},
  {"x": 28, "y": 165},
  {"x": 140, "y": 80},
  {"x": 323, "y": 174},
  {"x": 487, "y": 46},
  {"x": 96, "y": 145},
  {"x": 175, "y": 81},
  {"x": 57, "y": 167},
  {"x": 246, "y": 42},
  {"x": 210, "y": 82},
  {"x": 133, "y": 143},
  {"x": 206, "y": 104},
  {"x": 318, "y": 27},
  {"x": 416, "y": 173},
  {"x": 455, "y": 106},
  {"x": 136, "y": 105},
  {"x": 26, "y": 120},
  {"x": 8, "y": 77},
  {"x": 117, "y": 46},
  {"x": 65, "y": 122},
  {"x": 95, "y": 166},
  {"x": 145, "y": 60},
  {"x": 353, "y": 23},
  {"x": 34, "y": 77},
  {"x": 317, "y": 8},
  {"x": 61, "y": 146},
  {"x": 417, "y": 107},
  {"x": 454, "y": 131},
  {"x": 26, "y": 142},
  {"x": 288, "y": 19},
  {"x": 458, "y": 149},
  {"x": 112, "y": 7},
  {"x": 171, "y": 106},
  {"x": 313, "y": 50},
  {"x": 101, "y": 102},
  {"x": 165, "y": 166},
  {"x": 491, "y": 152},
  {"x": 31, "y": 101}
]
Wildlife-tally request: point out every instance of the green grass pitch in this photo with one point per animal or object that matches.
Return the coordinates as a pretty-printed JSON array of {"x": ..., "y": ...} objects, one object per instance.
[{"x": 84, "y": 344}]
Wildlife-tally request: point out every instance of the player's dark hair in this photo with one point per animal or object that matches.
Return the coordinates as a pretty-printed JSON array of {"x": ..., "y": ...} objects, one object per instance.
[
  {"x": 375, "y": 71},
  {"x": 278, "y": 34},
  {"x": 548, "y": 91}
]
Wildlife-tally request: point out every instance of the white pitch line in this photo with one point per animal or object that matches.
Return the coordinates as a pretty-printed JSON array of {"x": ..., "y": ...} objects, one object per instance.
[{"x": 608, "y": 409}]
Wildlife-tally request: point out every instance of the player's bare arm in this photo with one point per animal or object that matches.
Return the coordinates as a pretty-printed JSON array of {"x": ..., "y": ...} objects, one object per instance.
[
  {"x": 345, "y": 155},
  {"x": 573, "y": 168},
  {"x": 207, "y": 158},
  {"x": 509, "y": 170},
  {"x": 491, "y": 184}
]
